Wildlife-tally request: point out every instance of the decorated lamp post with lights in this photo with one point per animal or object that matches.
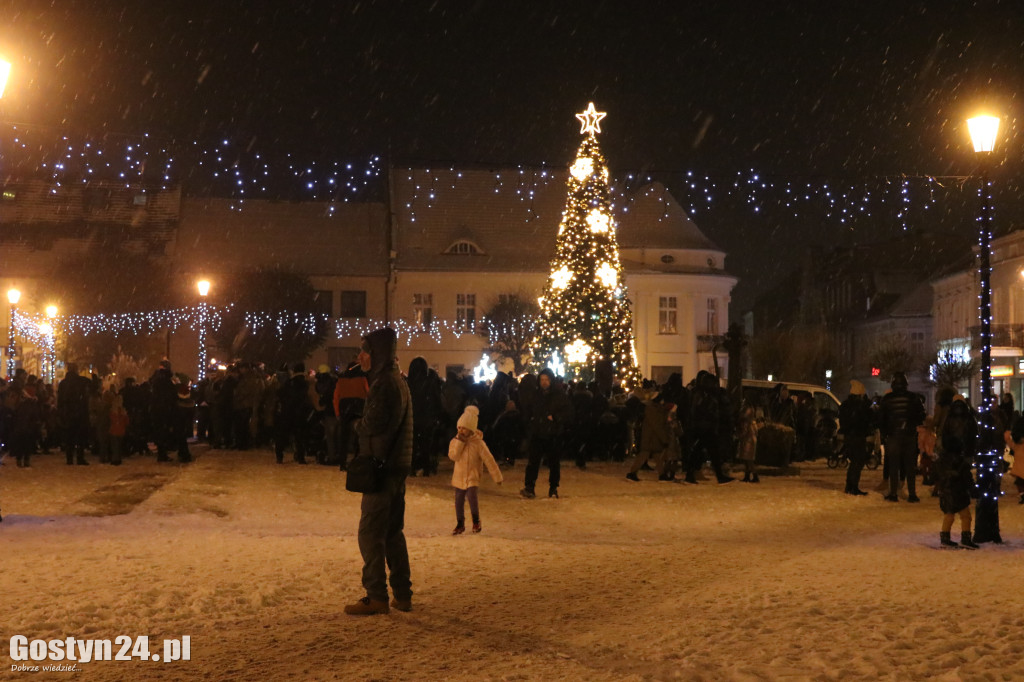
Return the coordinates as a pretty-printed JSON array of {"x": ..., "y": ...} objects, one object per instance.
[
  {"x": 204, "y": 288},
  {"x": 585, "y": 315},
  {"x": 51, "y": 341},
  {"x": 983, "y": 131},
  {"x": 13, "y": 296}
]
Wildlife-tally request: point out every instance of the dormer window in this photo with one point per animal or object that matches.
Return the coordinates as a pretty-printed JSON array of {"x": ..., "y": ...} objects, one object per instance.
[{"x": 464, "y": 247}]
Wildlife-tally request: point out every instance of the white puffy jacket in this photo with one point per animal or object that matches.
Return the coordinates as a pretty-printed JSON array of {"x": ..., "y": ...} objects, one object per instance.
[{"x": 470, "y": 458}]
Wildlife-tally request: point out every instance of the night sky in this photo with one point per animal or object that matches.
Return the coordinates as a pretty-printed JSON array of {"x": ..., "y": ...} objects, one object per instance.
[{"x": 800, "y": 91}]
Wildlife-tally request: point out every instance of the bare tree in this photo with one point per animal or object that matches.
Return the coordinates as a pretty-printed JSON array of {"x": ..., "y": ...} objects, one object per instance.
[
  {"x": 952, "y": 370},
  {"x": 893, "y": 354},
  {"x": 510, "y": 327}
]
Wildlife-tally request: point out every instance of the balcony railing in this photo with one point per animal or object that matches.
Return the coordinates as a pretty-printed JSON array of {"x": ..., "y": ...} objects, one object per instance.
[{"x": 1003, "y": 335}]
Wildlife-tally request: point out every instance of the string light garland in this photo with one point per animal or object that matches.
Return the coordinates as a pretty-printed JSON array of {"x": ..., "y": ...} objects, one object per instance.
[{"x": 585, "y": 314}]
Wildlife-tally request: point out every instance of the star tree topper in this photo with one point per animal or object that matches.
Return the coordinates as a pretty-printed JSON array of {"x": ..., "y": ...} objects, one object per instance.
[{"x": 590, "y": 120}]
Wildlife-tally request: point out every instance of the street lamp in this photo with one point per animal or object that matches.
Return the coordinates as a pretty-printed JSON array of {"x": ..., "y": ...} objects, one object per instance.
[
  {"x": 983, "y": 130},
  {"x": 13, "y": 296},
  {"x": 5, "y": 72},
  {"x": 51, "y": 341},
  {"x": 204, "y": 288}
]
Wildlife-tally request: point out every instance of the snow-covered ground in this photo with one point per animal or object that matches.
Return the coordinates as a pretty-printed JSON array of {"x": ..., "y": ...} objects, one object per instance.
[{"x": 789, "y": 579}]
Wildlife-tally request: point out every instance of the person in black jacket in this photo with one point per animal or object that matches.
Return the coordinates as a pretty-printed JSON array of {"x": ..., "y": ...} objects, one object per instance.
[
  {"x": 163, "y": 409},
  {"x": 293, "y": 418},
  {"x": 551, "y": 416},
  {"x": 704, "y": 428},
  {"x": 385, "y": 431},
  {"x": 900, "y": 415},
  {"x": 953, "y": 472},
  {"x": 856, "y": 423},
  {"x": 73, "y": 409}
]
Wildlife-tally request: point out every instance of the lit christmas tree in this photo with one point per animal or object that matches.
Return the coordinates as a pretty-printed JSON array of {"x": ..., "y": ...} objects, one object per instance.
[{"x": 585, "y": 315}]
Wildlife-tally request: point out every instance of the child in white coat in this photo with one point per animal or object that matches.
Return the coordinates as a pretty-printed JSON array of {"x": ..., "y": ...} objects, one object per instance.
[{"x": 470, "y": 454}]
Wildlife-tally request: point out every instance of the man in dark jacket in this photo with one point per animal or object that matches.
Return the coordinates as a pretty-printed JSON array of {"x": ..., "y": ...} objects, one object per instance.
[
  {"x": 293, "y": 415},
  {"x": 551, "y": 416},
  {"x": 73, "y": 409},
  {"x": 901, "y": 413},
  {"x": 164, "y": 409},
  {"x": 704, "y": 428},
  {"x": 385, "y": 431},
  {"x": 856, "y": 423}
]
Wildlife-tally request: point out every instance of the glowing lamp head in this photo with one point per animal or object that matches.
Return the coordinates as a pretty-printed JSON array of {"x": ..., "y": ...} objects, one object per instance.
[
  {"x": 51, "y": 311},
  {"x": 13, "y": 295},
  {"x": 983, "y": 130},
  {"x": 203, "y": 286},
  {"x": 5, "y": 72}
]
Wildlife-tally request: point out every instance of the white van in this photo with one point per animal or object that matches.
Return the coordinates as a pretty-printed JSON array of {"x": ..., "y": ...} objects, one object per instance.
[{"x": 757, "y": 393}]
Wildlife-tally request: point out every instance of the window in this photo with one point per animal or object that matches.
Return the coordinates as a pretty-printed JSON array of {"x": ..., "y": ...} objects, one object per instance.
[
  {"x": 917, "y": 343},
  {"x": 323, "y": 303},
  {"x": 712, "y": 327},
  {"x": 422, "y": 308},
  {"x": 353, "y": 304},
  {"x": 465, "y": 311},
  {"x": 464, "y": 247},
  {"x": 667, "y": 315}
]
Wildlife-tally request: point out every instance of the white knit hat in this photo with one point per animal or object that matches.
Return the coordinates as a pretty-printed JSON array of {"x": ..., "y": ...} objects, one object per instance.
[{"x": 469, "y": 418}]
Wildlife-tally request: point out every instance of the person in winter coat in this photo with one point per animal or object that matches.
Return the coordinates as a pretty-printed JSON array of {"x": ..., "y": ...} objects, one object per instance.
[
  {"x": 385, "y": 431},
  {"x": 470, "y": 454},
  {"x": 552, "y": 415},
  {"x": 746, "y": 434},
  {"x": 28, "y": 420},
  {"x": 926, "y": 444},
  {"x": 506, "y": 434},
  {"x": 349, "y": 397},
  {"x": 73, "y": 409},
  {"x": 655, "y": 435},
  {"x": 703, "y": 424},
  {"x": 856, "y": 423},
  {"x": 293, "y": 416},
  {"x": 952, "y": 473},
  {"x": 118, "y": 430},
  {"x": 164, "y": 409},
  {"x": 900, "y": 415},
  {"x": 425, "y": 388}
]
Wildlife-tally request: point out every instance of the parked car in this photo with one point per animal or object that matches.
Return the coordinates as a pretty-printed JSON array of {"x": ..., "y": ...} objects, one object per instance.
[{"x": 776, "y": 442}]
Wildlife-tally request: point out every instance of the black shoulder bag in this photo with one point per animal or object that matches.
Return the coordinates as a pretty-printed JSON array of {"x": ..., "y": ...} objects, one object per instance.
[{"x": 367, "y": 472}]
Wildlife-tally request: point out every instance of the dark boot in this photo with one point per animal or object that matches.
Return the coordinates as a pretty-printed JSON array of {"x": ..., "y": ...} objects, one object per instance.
[
  {"x": 746, "y": 477},
  {"x": 945, "y": 541},
  {"x": 754, "y": 478},
  {"x": 965, "y": 540}
]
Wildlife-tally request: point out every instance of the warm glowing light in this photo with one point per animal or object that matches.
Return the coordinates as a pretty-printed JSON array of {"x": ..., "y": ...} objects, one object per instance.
[
  {"x": 577, "y": 352},
  {"x": 582, "y": 169},
  {"x": 51, "y": 311},
  {"x": 599, "y": 222},
  {"x": 5, "y": 72},
  {"x": 983, "y": 130},
  {"x": 556, "y": 365},
  {"x": 590, "y": 120},
  {"x": 560, "y": 278},
  {"x": 485, "y": 371},
  {"x": 45, "y": 329},
  {"x": 13, "y": 296},
  {"x": 203, "y": 286},
  {"x": 606, "y": 275},
  {"x": 1002, "y": 371}
]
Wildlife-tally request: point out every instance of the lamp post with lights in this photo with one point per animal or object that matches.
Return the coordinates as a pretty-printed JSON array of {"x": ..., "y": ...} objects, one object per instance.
[
  {"x": 204, "y": 288},
  {"x": 51, "y": 341},
  {"x": 13, "y": 296},
  {"x": 983, "y": 131}
]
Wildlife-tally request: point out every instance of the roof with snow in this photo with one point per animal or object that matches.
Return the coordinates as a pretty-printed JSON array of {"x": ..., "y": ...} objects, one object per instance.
[
  {"x": 312, "y": 238},
  {"x": 511, "y": 218}
]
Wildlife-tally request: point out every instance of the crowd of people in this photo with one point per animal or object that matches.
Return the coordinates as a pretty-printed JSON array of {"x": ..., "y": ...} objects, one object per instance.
[{"x": 672, "y": 428}]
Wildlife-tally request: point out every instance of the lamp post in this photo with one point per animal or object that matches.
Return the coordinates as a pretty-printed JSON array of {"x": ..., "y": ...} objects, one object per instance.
[
  {"x": 51, "y": 341},
  {"x": 5, "y": 72},
  {"x": 204, "y": 288},
  {"x": 983, "y": 130},
  {"x": 13, "y": 296}
]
